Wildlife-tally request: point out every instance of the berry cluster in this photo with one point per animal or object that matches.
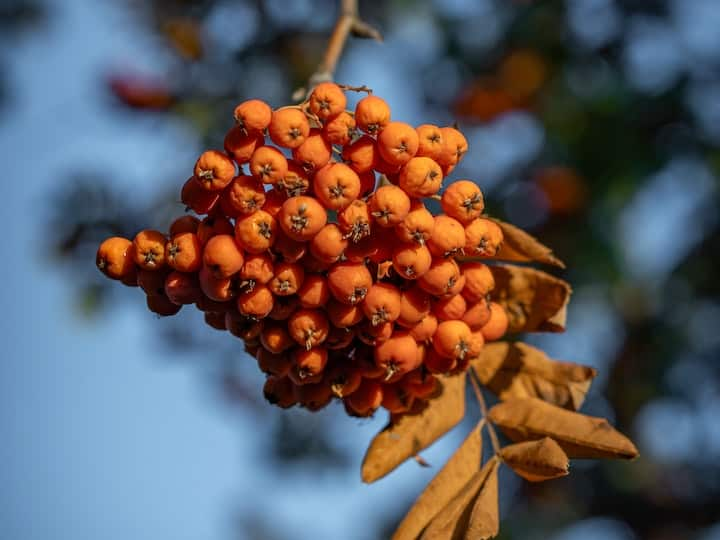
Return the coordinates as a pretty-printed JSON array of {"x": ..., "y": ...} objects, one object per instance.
[{"x": 320, "y": 254}]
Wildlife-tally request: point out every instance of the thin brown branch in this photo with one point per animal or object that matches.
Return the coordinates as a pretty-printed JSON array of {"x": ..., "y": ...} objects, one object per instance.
[
  {"x": 348, "y": 22},
  {"x": 484, "y": 411}
]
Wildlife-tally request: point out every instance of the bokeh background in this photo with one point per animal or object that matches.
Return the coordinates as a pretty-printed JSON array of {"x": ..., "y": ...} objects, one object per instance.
[{"x": 594, "y": 124}]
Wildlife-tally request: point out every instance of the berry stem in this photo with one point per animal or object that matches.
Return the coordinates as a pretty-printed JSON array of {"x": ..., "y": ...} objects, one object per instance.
[{"x": 484, "y": 411}]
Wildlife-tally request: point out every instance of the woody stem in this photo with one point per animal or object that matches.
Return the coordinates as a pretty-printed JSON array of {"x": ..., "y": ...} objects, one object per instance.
[{"x": 484, "y": 411}]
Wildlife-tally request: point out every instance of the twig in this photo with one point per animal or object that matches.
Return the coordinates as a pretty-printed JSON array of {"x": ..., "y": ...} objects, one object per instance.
[
  {"x": 484, "y": 411},
  {"x": 348, "y": 22}
]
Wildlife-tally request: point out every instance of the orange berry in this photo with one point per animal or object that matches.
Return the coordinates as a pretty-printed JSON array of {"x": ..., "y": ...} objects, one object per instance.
[
  {"x": 340, "y": 129},
  {"x": 114, "y": 258},
  {"x": 396, "y": 399},
  {"x": 314, "y": 291},
  {"x": 217, "y": 289},
  {"x": 313, "y": 264},
  {"x": 290, "y": 250},
  {"x": 273, "y": 364},
  {"x": 310, "y": 362},
  {"x": 276, "y": 338},
  {"x": 463, "y": 201},
  {"x": 420, "y": 177},
  {"x": 372, "y": 114},
  {"x": 215, "y": 319},
  {"x": 314, "y": 153},
  {"x": 344, "y": 315},
  {"x": 450, "y": 308},
  {"x": 256, "y": 302},
  {"x": 430, "y": 141},
  {"x": 288, "y": 127},
  {"x": 268, "y": 164},
  {"x": 397, "y": 143},
  {"x": 327, "y": 100},
  {"x": 308, "y": 327},
  {"x": 288, "y": 278},
  {"x": 213, "y": 225},
  {"x": 447, "y": 238},
  {"x": 389, "y": 206},
  {"x": 425, "y": 329},
  {"x": 245, "y": 194},
  {"x": 479, "y": 281},
  {"x": 371, "y": 334},
  {"x": 414, "y": 306},
  {"x": 205, "y": 303},
  {"x": 417, "y": 226},
  {"x": 184, "y": 224},
  {"x": 497, "y": 324},
  {"x": 255, "y": 232},
  {"x": 214, "y": 170},
  {"x": 367, "y": 182},
  {"x": 328, "y": 244},
  {"x": 257, "y": 268},
  {"x": 152, "y": 281},
  {"x": 313, "y": 395},
  {"x": 344, "y": 378},
  {"x": 222, "y": 257},
  {"x": 454, "y": 146},
  {"x": 397, "y": 355},
  {"x": 339, "y": 338},
  {"x": 354, "y": 220},
  {"x": 390, "y": 170},
  {"x": 197, "y": 198},
  {"x": 382, "y": 303},
  {"x": 279, "y": 391},
  {"x": 149, "y": 249},
  {"x": 411, "y": 261},
  {"x": 182, "y": 288},
  {"x": 361, "y": 155},
  {"x": 477, "y": 314},
  {"x": 240, "y": 146},
  {"x": 452, "y": 339},
  {"x": 483, "y": 238},
  {"x": 349, "y": 282},
  {"x": 302, "y": 217},
  {"x": 296, "y": 182},
  {"x": 336, "y": 186},
  {"x": 441, "y": 277},
  {"x": 436, "y": 363},
  {"x": 283, "y": 307},
  {"x": 161, "y": 305},
  {"x": 253, "y": 116},
  {"x": 184, "y": 252},
  {"x": 420, "y": 384}
]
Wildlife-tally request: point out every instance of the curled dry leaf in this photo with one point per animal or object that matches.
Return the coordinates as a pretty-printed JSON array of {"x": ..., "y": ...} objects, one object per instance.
[
  {"x": 408, "y": 434},
  {"x": 534, "y": 300},
  {"x": 536, "y": 461},
  {"x": 447, "y": 483},
  {"x": 579, "y": 435},
  {"x": 485, "y": 516},
  {"x": 520, "y": 246},
  {"x": 517, "y": 370},
  {"x": 454, "y": 519}
]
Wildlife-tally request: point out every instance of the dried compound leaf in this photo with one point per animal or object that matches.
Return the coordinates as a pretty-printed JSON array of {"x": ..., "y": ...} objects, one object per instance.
[
  {"x": 517, "y": 370},
  {"x": 453, "y": 520},
  {"x": 535, "y": 301},
  {"x": 579, "y": 435},
  {"x": 485, "y": 516},
  {"x": 408, "y": 434},
  {"x": 447, "y": 483},
  {"x": 520, "y": 246},
  {"x": 536, "y": 461}
]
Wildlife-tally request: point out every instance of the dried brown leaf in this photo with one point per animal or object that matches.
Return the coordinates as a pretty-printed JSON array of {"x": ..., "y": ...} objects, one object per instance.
[
  {"x": 485, "y": 516},
  {"x": 407, "y": 435},
  {"x": 534, "y": 300},
  {"x": 447, "y": 483},
  {"x": 453, "y": 520},
  {"x": 579, "y": 435},
  {"x": 517, "y": 370},
  {"x": 536, "y": 461},
  {"x": 520, "y": 246}
]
